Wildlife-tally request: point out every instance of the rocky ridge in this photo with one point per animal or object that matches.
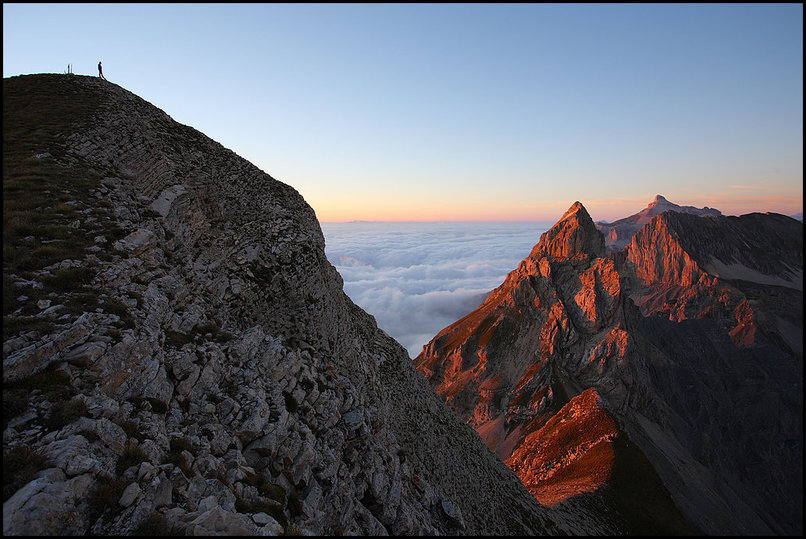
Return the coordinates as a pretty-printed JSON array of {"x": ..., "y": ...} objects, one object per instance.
[
  {"x": 672, "y": 368},
  {"x": 192, "y": 365},
  {"x": 618, "y": 233}
]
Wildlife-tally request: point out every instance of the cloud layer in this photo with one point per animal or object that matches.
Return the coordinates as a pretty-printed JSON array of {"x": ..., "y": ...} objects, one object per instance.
[{"x": 417, "y": 278}]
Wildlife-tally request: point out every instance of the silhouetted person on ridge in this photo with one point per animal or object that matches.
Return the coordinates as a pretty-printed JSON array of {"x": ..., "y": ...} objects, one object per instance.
[{"x": 101, "y": 71}]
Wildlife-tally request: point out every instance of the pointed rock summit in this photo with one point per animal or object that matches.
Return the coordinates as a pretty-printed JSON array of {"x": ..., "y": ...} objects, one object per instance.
[
  {"x": 574, "y": 235},
  {"x": 671, "y": 369}
]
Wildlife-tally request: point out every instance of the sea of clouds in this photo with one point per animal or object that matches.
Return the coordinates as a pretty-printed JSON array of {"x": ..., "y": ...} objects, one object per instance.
[{"x": 418, "y": 278}]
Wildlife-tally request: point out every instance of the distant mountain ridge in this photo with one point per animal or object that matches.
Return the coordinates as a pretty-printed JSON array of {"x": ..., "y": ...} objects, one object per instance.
[
  {"x": 672, "y": 368},
  {"x": 618, "y": 233}
]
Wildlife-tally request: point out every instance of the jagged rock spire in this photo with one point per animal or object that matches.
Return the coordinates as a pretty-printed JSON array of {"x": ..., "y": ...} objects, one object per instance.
[{"x": 574, "y": 234}]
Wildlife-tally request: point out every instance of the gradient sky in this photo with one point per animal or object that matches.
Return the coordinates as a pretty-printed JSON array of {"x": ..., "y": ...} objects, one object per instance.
[{"x": 463, "y": 111}]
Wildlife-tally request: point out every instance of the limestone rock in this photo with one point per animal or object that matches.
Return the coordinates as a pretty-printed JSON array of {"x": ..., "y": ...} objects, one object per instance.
[
  {"x": 619, "y": 233},
  {"x": 684, "y": 348},
  {"x": 572, "y": 236},
  {"x": 136, "y": 242},
  {"x": 220, "y": 379}
]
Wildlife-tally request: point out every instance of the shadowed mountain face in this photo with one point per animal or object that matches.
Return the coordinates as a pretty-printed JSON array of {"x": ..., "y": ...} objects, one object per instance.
[
  {"x": 672, "y": 368},
  {"x": 180, "y": 357}
]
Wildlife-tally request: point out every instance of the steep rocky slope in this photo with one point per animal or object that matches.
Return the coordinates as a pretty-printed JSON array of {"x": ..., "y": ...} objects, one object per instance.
[
  {"x": 655, "y": 390},
  {"x": 619, "y": 233},
  {"x": 178, "y": 354}
]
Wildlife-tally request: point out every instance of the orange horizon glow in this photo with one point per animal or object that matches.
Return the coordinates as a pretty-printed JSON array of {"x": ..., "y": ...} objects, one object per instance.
[{"x": 600, "y": 210}]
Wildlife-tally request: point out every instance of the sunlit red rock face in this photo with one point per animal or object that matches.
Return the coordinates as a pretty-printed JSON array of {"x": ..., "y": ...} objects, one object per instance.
[
  {"x": 570, "y": 454},
  {"x": 690, "y": 267},
  {"x": 686, "y": 346},
  {"x": 618, "y": 233}
]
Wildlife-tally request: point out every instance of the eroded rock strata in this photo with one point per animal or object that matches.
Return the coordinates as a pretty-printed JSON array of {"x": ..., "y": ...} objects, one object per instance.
[
  {"x": 179, "y": 356},
  {"x": 656, "y": 389}
]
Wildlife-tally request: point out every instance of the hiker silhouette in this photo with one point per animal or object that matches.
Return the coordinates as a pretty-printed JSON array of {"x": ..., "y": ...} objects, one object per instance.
[{"x": 101, "y": 71}]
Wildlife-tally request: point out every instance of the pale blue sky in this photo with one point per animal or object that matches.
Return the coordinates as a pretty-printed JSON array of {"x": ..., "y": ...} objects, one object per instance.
[{"x": 463, "y": 111}]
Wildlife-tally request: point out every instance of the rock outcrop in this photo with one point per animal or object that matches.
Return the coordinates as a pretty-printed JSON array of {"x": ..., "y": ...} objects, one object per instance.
[
  {"x": 672, "y": 369},
  {"x": 179, "y": 355},
  {"x": 573, "y": 236},
  {"x": 619, "y": 233}
]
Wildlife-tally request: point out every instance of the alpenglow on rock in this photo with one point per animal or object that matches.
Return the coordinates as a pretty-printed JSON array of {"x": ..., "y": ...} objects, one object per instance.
[
  {"x": 574, "y": 235},
  {"x": 619, "y": 233},
  {"x": 656, "y": 390},
  {"x": 179, "y": 356}
]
